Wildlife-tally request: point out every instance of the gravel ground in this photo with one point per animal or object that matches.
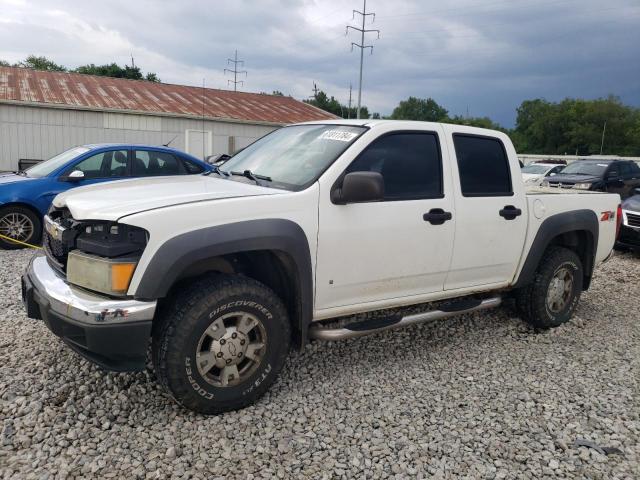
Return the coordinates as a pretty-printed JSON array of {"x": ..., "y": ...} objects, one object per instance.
[{"x": 477, "y": 396}]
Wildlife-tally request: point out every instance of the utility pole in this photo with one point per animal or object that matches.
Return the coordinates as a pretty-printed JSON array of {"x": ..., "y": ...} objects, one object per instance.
[
  {"x": 235, "y": 71},
  {"x": 349, "y": 112},
  {"x": 361, "y": 45},
  {"x": 315, "y": 91},
  {"x": 602, "y": 142}
]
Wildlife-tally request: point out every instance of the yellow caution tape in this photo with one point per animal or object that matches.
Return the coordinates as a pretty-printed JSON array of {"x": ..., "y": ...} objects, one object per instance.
[{"x": 20, "y": 243}]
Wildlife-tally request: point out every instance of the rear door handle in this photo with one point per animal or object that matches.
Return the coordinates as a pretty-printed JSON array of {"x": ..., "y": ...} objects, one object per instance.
[
  {"x": 509, "y": 212},
  {"x": 437, "y": 216}
]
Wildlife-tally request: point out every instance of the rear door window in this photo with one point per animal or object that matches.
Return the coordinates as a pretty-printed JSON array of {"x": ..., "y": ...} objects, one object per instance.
[
  {"x": 483, "y": 166},
  {"x": 148, "y": 163},
  {"x": 192, "y": 167}
]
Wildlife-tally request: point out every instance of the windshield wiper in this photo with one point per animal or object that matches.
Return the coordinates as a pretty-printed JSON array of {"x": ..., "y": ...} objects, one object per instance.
[
  {"x": 20, "y": 172},
  {"x": 252, "y": 176},
  {"x": 215, "y": 169}
]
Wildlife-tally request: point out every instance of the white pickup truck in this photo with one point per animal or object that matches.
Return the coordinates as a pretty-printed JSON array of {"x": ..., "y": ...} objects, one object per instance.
[{"x": 222, "y": 272}]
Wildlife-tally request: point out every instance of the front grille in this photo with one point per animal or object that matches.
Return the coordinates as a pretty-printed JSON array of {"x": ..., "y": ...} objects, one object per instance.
[
  {"x": 561, "y": 185},
  {"x": 56, "y": 252},
  {"x": 55, "y": 249},
  {"x": 633, "y": 219}
]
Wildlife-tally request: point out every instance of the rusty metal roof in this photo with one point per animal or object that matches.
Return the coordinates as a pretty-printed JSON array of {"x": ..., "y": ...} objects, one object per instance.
[{"x": 75, "y": 90}]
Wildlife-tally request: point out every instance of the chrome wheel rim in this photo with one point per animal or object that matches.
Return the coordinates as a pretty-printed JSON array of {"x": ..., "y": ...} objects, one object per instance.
[
  {"x": 231, "y": 349},
  {"x": 560, "y": 289},
  {"x": 16, "y": 226}
]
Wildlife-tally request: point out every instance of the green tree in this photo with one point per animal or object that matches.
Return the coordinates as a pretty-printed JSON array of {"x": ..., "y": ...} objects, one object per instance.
[
  {"x": 4, "y": 63},
  {"x": 575, "y": 126},
  {"x": 152, "y": 77},
  {"x": 41, "y": 63},
  {"x": 331, "y": 105},
  {"x": 116, "y": 71},
  {"x": 425, "y": 109},
  {"x": 481, "y": 122}
]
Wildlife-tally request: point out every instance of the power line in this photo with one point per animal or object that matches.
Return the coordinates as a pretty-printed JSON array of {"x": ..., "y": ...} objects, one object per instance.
[
  {"x": 363, "y": 14},
  {"x": 235, "y": 71}
]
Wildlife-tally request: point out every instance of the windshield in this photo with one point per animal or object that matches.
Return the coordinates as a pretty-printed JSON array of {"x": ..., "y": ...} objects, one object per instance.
[
  {"x": 585, "y": 168},
  {"x": 294, "y": 157},
  {"x": 536, "y": 169},
  {"x": 43, "y": 169}
]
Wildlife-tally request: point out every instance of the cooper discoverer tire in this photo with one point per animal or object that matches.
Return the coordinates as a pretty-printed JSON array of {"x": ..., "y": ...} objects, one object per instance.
[
  {"x": 220, "y": 343},
  {"x": 552, "y": 297}
]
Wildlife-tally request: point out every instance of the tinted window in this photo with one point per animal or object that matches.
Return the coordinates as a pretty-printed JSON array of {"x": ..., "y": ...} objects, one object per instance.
[
  {"x": 586, "y": 167},
  {"x": 625, "y": 169},
  {"x": 111, "y": 164},
  {"x": 410, "y": 164},
  {"x": 483, "y": 165},
  {"x": 151, "y": 164},
  {"x": 191, "y": 167}
]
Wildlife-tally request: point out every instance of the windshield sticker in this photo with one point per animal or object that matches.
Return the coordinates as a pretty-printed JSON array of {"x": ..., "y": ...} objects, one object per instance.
[{"x": 338, "y": 135}]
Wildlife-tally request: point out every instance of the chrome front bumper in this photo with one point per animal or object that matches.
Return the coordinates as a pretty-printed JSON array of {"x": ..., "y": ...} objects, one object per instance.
[
  {"x": 112, "y": 333},
  {"x": 80, "y": 305}
]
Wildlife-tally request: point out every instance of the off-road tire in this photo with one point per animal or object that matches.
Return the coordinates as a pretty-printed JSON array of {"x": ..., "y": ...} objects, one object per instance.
[
  {"x": 36, "y": 235},
  {"x": 531, "y": 300},
  {"x": 184, "y": 319}
]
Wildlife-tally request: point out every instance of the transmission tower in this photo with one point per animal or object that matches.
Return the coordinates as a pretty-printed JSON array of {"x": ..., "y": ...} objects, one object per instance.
[
  {"x": 235, "y": 71},
  {"x": 363, "y": 14}
]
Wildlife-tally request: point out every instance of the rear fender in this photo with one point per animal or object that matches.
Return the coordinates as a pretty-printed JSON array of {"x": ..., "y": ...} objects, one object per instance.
[{"x": 555, "y": 227}]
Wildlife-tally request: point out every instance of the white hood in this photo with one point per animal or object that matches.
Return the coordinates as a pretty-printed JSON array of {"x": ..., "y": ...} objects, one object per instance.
[
  {"x": 114, "y": 200},
  {"x": 531, "y": 178}
]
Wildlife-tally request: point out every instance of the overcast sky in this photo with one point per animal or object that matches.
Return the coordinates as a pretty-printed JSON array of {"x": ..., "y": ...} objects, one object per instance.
[{"x": 482, "y": 55}]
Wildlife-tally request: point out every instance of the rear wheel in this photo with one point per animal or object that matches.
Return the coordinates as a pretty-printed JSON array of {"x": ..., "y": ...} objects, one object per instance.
[
  {"x": 20, "y": 224},
  {"x": 551, "y": 299},
  {"x": 221, "y": 343}
]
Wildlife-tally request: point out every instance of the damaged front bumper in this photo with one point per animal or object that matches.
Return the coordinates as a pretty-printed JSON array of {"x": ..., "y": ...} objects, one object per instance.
[{"x": 111, "y": 333}]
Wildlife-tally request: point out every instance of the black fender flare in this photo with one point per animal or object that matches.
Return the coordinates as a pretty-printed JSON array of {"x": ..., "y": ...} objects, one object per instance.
[
  {"x": 577, "y": 220},
  {"x": 179, "y": 253}
]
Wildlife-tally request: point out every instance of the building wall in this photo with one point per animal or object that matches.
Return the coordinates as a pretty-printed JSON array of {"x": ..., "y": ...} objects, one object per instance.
[{"x": 40, "y": 132}]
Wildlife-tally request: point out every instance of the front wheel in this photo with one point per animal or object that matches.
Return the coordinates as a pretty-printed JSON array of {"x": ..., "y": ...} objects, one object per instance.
[
  {"x": 551, "y": 299},
  {"x": 19, "y": 224},
  {"x": 221, "y": 343}
]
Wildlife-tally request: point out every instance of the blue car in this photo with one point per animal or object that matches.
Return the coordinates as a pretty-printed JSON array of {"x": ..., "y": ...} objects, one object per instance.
[{"x": 26, "y": 196}]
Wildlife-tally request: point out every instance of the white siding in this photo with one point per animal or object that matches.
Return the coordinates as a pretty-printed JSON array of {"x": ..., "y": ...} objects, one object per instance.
[{"x": 40, "y": 133}]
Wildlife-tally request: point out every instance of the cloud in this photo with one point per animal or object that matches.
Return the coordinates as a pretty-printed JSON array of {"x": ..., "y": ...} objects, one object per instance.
[{"x": 484, "y": 56}]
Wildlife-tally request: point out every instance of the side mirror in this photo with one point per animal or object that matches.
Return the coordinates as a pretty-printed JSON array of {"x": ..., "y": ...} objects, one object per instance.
[
  {"x": 552, "y": 174},
  {"x": 636, "y": 191},
  {"x": 74, "y": 176},
  {"x": 358, "y": 187}
]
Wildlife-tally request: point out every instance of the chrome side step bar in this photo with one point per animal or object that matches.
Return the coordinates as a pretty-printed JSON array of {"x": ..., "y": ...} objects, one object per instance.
[{"x": 366, "y": 327}]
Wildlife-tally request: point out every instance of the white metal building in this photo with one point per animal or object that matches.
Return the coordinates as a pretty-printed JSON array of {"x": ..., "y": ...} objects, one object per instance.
[{"x": 44, "y": 113}]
